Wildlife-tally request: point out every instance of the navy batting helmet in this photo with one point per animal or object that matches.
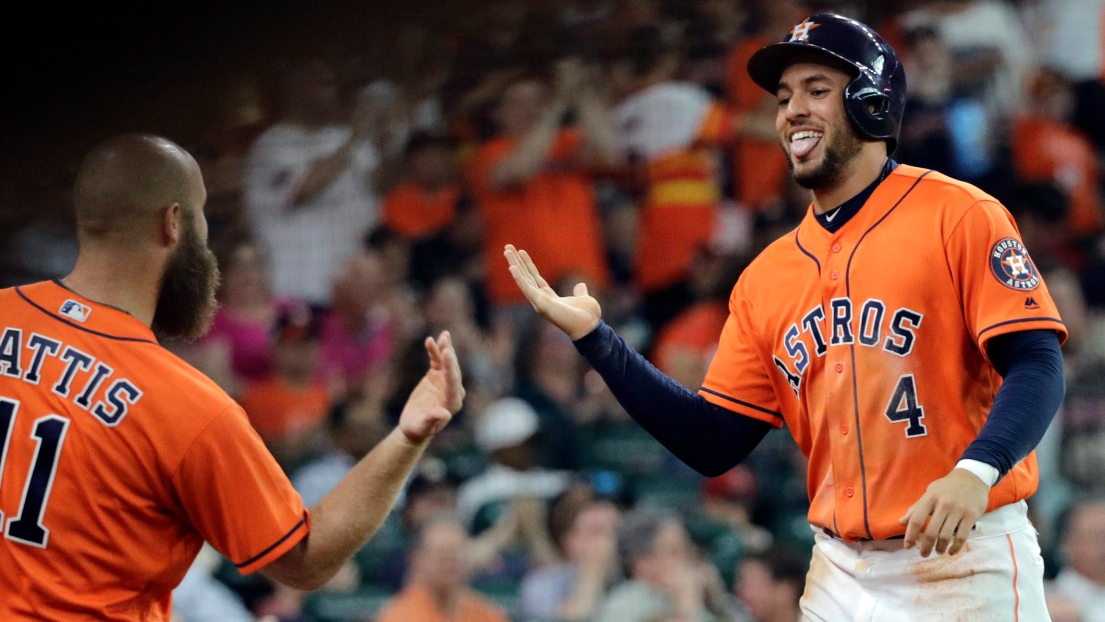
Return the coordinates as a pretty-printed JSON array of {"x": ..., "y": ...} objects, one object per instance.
[{"x": 875, "y": 97}]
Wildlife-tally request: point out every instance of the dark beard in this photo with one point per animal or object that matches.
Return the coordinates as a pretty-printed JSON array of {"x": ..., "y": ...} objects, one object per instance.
[
  {"x": 186, "y": 304},
  {"x": 837, "y": 157}
]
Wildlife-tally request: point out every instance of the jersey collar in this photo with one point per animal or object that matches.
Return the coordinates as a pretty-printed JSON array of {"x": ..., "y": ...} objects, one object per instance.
[
  {"x": 833, "y": 220},
  {"x": 70, "y": 308}
]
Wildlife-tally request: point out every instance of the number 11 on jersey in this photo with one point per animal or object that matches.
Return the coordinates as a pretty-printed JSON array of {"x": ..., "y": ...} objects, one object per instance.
[{"x": 49, "y": 433}]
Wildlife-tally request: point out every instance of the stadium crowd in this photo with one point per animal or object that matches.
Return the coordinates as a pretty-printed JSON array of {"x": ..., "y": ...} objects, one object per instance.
[{"x": 360, "y": 197}]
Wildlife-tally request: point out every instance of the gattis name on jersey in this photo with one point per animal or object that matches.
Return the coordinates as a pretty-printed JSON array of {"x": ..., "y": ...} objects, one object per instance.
[
  {"x": 1011, "y": 264},
  {"x": 846, "y": 328},
  {"x": 24, "y": 359}
]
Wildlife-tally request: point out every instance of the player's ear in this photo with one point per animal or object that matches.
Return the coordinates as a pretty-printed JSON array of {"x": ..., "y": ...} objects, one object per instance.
[{"x": 172, "y": 224}]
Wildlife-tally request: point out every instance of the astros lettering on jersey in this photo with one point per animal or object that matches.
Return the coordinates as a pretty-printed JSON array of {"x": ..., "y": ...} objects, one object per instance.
[
  {"x": 870, "y": 344},
  {"x": 117, "y": 461}
]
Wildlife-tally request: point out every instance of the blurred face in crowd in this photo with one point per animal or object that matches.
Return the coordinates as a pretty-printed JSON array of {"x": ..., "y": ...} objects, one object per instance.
[
  {"x": 450, "y": 304},
  {"x": 594, "y": 523},
  {"x": 761, "y": 593},
  {"x": 433, "y": 167},
  {"x": 555, "y": 351},
  {"x": 429, "y": 503},
  {"x": 818, "y": 141},
  {"x": 359, "y": 285},
  {"x": 186, "y": 303},
  {"x": 245, "y": 276},
  {"x": 671, "y": 553},
  {"x": 438, "y": 563},
  {"x": 521, "y": 106},
  {"x": 296, "y": 360},
  {"x": 1083, "y": 544}
]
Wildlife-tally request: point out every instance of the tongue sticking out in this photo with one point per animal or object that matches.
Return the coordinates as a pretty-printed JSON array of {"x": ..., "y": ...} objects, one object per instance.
[{"x": 801, "y": 147}]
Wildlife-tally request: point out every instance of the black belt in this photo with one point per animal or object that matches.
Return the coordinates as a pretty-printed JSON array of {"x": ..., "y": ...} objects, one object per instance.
[{"x": 833, "y": 534}]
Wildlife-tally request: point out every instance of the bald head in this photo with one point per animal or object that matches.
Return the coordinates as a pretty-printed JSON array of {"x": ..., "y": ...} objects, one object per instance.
[{"x": 126, "y": 181}]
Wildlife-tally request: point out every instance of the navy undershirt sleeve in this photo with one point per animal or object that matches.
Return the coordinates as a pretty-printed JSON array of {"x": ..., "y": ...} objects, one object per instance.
[
  {"x": 707, "y": 437},
  {"x": 1031, "y": 364}
]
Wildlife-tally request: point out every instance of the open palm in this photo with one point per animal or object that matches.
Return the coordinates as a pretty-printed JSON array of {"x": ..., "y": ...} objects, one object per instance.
[
  {"x": 438, "y": 396},
  {"x": 576, "y": 315}
]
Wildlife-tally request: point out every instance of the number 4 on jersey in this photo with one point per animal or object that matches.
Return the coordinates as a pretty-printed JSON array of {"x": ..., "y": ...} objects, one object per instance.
[{"x": 903, "y": 406}]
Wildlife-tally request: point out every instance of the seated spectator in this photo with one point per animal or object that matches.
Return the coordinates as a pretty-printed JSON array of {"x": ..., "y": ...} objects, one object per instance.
[
  {"x": 437, "y": 589},
  {"x": 1048, "y": 150},
  {"x": 288, "y": 407},
  {"x": 238, "y": 348},
  {"x": 771, "y": 583},
  {"x": 550, "y": 379},
  {"x": 730, "y": 500},
  {"x": 425, "y": 203},
  {"x": 1083, "y": 576},
  {"x": 352, "y": 430},
  {"x": 665, "y": 580},
  {"x": 309, "y": 187},
  {"x": 201, "y": 597},
  {"x": 583, "y": 531},
  {"x": 531, "y": 184},
  {"x": 487, "y": 356},
  {"x": 925, "y": 139},
  {"x": 505, "y": 503}
]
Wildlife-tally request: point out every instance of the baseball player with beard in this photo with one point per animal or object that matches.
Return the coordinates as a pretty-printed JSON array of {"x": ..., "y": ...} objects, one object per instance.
[{"x": 902, "y": 333}]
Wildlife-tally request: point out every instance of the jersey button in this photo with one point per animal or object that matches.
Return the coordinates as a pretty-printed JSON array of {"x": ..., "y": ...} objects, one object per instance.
[
  {"x": 844, "y": 428},
  {"x": 848, "y": 492},
  {"x": 839, "y": 367},
  {"x": 834, "y": 275},
  {"x": 836, "y": 247}
]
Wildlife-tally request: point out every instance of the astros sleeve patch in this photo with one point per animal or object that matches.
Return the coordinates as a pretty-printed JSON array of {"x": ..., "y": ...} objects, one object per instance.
[{"x": 999, "y": 284}]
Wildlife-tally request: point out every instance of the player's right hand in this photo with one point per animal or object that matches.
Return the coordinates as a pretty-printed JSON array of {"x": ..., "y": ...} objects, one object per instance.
[
  {"x": 576, "y": 315},
  {"x": 438, "y": 396}
]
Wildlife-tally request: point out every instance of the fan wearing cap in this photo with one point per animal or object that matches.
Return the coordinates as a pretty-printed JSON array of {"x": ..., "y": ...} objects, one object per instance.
[
  {"x": 902, "y": 333},
  {"x": 289, "y": 406}
]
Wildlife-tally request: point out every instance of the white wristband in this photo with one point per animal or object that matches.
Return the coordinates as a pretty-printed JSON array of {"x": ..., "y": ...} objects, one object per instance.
[{"x": 985, "y": 472}]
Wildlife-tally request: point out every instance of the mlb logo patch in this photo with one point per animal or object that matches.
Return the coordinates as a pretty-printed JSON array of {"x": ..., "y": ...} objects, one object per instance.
[{"x": 75, "y": 310}]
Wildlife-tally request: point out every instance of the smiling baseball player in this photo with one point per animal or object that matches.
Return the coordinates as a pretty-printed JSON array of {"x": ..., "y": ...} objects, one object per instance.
[{"x": 903, "y": 334}]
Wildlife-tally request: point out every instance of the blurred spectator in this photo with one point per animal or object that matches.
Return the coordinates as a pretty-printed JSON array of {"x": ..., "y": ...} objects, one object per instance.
[
  {"x": 583, "y": 531},
  {"x": 1046, "y": 149},
  {"x": 425, "y": 203},
  {"x": 729, "y": 500},
  {"x": 771, "y": 583},
  {"x": 685, "y": 346},
  {"x": 371, "y": 315},
  {"x": 506, "y": 502},
  {"x": 1060, "y": 607},
  {"x": 288, "y": 407},
  {"x": 668, "y": 129},
  {"x": 437, "y": 589},
  {"x": 665, "y": 580},
  {"x": 238, "y": 348},
  {"x": 759, "y": 166},
  {"x": 1071, "y": 38},
  {"x": 550, "y": 379},
  {"x": 310, "y": 189},
  {"x": 486, "y": 356},
  {"x": 925, "y": 136},
  {"x": 1083, "y": 576},
  {"x": 531, "y": 184},
  {"x": 352, "y": 430}
]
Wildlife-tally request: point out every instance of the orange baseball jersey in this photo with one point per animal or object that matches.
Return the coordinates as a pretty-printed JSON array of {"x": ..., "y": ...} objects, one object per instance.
[
  {"x": 117, "y": 461},
  {"x": 870, "y": 344}
]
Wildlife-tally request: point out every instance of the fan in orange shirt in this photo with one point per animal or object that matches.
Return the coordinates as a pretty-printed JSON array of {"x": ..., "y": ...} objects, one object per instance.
[
  {"x": 118, "y": 460},
  {"x": 425, "y": 202},
  {"x": 1046, "y": 149},
  {"x": 532, "y": 182}
]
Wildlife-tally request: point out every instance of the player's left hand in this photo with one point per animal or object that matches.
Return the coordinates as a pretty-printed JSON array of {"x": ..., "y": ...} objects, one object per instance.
[
  {"x": 438, "y": 396},
  {"x": 954, "y": 503}
]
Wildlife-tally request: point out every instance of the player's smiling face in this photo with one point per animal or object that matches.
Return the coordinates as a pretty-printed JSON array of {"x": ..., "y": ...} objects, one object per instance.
[{"x": 812, "y": 124}]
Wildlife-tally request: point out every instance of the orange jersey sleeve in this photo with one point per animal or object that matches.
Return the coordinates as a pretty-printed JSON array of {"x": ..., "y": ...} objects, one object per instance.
[
  {"x": 1000, "y": 286},
  {"x": 237, "y": 496},
  {"x": 737, "y": 378}
]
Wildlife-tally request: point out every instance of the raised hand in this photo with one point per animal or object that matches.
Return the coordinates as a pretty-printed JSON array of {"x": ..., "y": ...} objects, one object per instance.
[
  {"x": 438, "y": 396},
  {"x": 576, "y": 315}
]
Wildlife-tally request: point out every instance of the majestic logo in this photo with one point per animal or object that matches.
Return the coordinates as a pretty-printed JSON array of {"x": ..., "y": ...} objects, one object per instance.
[
  {"x": 1011, "y": 265},
  {"x": 801, "y": 32},
  {"x": 74, "y": 310},
  {"x": 1030, "y": 303}
]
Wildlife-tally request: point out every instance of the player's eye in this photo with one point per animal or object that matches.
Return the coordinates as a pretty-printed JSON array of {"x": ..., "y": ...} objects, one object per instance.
[{"x": 783, "y": 101}]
